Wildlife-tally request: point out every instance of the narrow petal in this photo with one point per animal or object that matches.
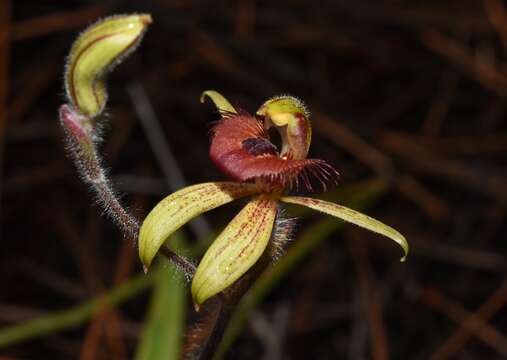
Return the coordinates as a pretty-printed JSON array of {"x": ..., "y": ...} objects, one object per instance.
[
  {"x": 180, "y": 207},
  {"x": 236, "y": 249},
  {"x": 222, "y": 104},
  {"x": 351, "y": 216}
]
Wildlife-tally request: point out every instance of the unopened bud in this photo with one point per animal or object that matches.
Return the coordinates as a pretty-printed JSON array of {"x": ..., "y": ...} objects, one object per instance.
[{"x": 96, "y": 51}]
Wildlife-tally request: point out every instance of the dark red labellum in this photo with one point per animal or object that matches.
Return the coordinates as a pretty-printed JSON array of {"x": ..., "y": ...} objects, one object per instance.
[
  {"x": 241, "y": 148},
  {"x": 259, "y": 146}
]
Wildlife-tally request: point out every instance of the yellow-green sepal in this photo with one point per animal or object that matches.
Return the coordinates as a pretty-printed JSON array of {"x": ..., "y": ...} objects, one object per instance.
[
  {"x": 236, "y": 249},
  {"x": 180, "y": 207},
  {"x": 351, "y": 216},
  {"x": 100, "y": 47}
]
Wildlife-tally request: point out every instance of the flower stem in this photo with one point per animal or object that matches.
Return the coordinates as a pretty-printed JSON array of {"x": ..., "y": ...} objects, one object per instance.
[
  {"x": 81, "y": 139},
  {"x": 180, "y": 262}
]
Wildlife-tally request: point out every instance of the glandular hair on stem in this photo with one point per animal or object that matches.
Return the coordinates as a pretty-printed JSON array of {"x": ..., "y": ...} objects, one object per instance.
[
  {"x": 283, "y": 234},
  {"x": 82, "y": 149}
]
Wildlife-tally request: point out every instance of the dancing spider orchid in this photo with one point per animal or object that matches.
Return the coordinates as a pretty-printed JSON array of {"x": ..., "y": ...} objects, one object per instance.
[{"x": 241, "y": 148}]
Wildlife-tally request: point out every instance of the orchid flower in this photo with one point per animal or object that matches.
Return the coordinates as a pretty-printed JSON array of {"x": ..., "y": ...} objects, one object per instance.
[{"x": 241, "y": 148}]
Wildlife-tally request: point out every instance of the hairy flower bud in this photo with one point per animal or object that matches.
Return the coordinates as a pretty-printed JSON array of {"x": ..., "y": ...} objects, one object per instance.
[{"x": 96, "y": 51}]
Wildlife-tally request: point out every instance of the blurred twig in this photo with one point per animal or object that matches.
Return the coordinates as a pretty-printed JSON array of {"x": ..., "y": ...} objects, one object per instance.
[
  {"x": 56, "y": 21},
  {"x": 34, "y": 81},
  {"x": 53, "y": 280},
  {"x": 161, "y": 149},
  {"x": 370, "y": 300},
  {"x": 5, "y": 39},
  {"x": 497, "y": 14},
  {"x": 87, "y": 264},
  {"x": 470, "y": 145},
  {"x": 439, "y": 107},
  {"x": 470, "y": 322},
  {"x": 427, "y": 161},
  {"x": 381, "y": 164},
  {"x": 476, "y": 67},
  {"x": 459, "y": 255}
]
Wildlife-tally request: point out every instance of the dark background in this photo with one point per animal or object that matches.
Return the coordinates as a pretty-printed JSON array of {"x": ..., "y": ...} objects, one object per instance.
[{"x": 406, "y": 94}]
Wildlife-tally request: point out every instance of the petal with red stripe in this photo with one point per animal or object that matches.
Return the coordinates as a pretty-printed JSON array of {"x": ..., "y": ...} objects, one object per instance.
[
  {"x": 180, "y": 207},
  {"x": 350, "y": 216}
]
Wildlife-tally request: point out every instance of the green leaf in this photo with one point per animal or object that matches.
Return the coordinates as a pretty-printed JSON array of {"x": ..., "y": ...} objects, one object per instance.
[
  {"x": 75, "y": 316},
  {"x": 164, "y": 325}
]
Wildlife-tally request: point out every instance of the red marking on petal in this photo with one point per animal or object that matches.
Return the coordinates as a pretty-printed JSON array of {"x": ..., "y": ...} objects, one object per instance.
[{"x": 234, "y": 151}]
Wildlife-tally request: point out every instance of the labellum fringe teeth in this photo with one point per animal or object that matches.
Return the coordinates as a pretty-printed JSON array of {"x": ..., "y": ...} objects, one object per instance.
[{"x": 297, "y": 174}]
